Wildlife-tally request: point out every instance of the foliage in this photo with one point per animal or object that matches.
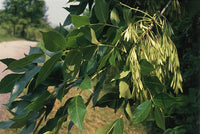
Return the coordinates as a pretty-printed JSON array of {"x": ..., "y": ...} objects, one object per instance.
[
  {"x": 22, "y": 15},
  {"x": 122, "y": 45}
]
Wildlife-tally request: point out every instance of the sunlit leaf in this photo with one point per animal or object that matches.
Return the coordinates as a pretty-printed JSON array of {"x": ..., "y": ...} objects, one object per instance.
[
  {"x": 122, "y": 75},
  {"x": 86, "y": 83},
  {"x": 79, "y": 21},
  {"x": 114, "y": 17},
  {"x": 124, "y": 90},
  {"x": 105, "y": 129}
]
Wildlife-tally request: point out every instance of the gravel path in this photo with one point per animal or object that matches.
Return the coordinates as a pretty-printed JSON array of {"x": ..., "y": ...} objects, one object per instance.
[{"x": 16, "y": 50}]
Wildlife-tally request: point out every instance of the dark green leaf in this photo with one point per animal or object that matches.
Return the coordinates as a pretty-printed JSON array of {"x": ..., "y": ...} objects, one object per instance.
[
  {"x": 60, "y": 94},
  {"x": 8, "y": 82},
  {"x": 103, "y": 61},
  {"x": 50, "y": 125},
  {"x": 63, "y": 31},
  {"x": 59, "y": 124},
  {"x": 98, "y": 87},
  {"x": 153, "y": 83},
  {"x": 6, "y": 124},
  {"x": 79, "y": 21},
  {"x": 119, "y": 126},
  {"x": 159, "y": 117},
  {"x": 37, "y": 50},
  {"x": 77, "y": 111},
  {"x": 124, "y": 90},
  {"x": 72, "y": 39},
  {"x": 112, "y": 58},
  {"x": 23, "y": 82},
  {"x": 141, "y": 112},
  {"x": 111, "y": 100},
  {"x": 68, "y": 21},
  {"x": 146, "y": 67},
  {"x": 39, "y": 102},
  {"x": 47, "y": 68},
  {"x": 77, "y": 9},
  {"x": 71, "y": 64},
  {"x": 101, "y": 10},
  {"x": 54, "y": 41},
  {"x": 164, "y": 100},
  {"x": 86, "y": 83},
  {"x": 24, "y": 61},
  {"x": 29, "y": 128},
  {"x": 7, "y": 61}
]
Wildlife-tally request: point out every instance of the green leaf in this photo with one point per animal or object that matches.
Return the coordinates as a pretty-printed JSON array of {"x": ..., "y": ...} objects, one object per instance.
[
  {"x": 127, "y": 111},
  {"x": 141, "y": 112},
  {"x": 153, "y": 83},
  {"x": 112, "y": 58},
  {"x": 47, "y": 68},
  {"x": 77, "y": 9},
  {"x": 101, "y": 10},
  {"x": 105, "y": 129},
  {"x": 23, "y": 82},
  {"x": 119, "y": 126},
  {"x": 39, "y": 102},
  {"x": 72, "y": 64},
  {"x": 93, "y": 37},
  {"x": 124, "y": 90},
  {"x": 60, "y": 94},
  {"x": 8, "y": 82},
  {"x": 7, "y": 61},
  {"x": 103, "y": 62},
  {"x": 59, "y": 124},
  {"x": 77, "y": 111},
  {"x": 164, "y": 100},
  {"x": 114, "y": 17},
  {"x": 54, "y": 41},
  {"x": 98, "y": 87},
  {"x": 146, "y": 67},
  {"x": 29, "y": 128},
  {"x": 86, "y": 83},
  {"x": 111, "y": 100},
  {"x": 159, "y": 117},
  {"x": 24, "y": 61},
  {"x": 79, "y": 21},
  {"x": 122, "y": 75},
  {"x": 72, "y": 39},
  {"x": 6, "y": 124}
]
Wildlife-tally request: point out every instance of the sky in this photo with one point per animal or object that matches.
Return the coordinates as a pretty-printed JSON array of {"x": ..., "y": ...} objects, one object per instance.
[{"x": 56, "y": 14}]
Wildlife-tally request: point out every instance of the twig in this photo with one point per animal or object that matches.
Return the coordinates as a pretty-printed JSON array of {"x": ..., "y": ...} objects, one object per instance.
[{"x": 161, "y": 13}]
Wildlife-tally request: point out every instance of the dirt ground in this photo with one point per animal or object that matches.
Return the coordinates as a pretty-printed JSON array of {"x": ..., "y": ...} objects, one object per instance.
[{"x": 11, "y": 49}]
